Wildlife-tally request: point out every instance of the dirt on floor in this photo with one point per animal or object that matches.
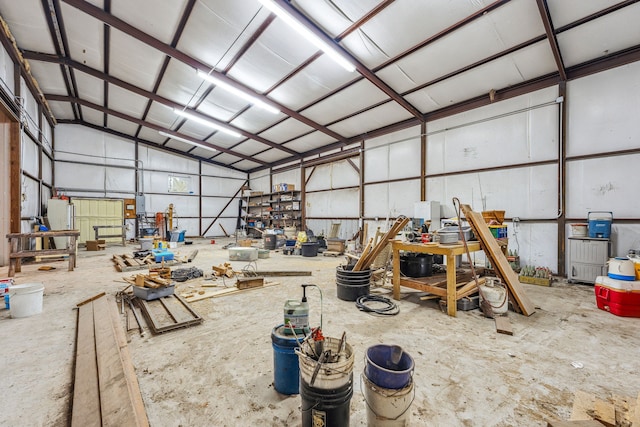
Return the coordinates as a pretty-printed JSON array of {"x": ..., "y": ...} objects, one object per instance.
[{"x": 221, "y": 372}]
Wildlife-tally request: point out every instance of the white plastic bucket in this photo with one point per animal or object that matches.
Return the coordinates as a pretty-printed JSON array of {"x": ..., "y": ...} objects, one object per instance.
[
  {"x": 330, "y": 375},
  {"x": 26, "y": 299},
  {"x": 387, "y": 407}
]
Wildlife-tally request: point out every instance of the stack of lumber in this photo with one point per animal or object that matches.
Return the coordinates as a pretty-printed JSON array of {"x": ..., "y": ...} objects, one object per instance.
[
  {"x": 151, "y": 281},
  {"x": 127, "y": 262},
  {"x": 372, "y": 250},
  {"x": 498, "y": 260},
  {"x": 105, "y": 390},
  {"x": 223, "y": 270}
]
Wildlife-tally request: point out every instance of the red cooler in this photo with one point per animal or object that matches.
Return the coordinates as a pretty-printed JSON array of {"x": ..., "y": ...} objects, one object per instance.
[{"x": 620, "y": 297}]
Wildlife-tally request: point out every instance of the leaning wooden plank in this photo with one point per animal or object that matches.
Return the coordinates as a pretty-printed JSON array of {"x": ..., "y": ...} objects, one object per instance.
[
  {"x": 393, "y": 231},
  {"x": 129, "y": 371},
  {"x": 498, "y": 259},
  {"x": 115, "y": 402},
  {"x": 363, "y": 257},
  {"x": 85, "y": 410}
]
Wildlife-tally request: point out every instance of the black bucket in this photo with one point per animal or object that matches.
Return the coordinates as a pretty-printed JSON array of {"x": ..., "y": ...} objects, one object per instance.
[
  {"x": 326, "y": 407},
  {"x": 416, "y": 264},
  {"x": 309, "y": 249},
  {"x": 270, "y": 241},
  {"x": 352, "y": 284}
]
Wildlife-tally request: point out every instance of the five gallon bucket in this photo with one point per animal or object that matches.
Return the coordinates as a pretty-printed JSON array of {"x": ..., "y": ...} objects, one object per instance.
[
  {"x": 330, "y": 375},
  {"x": 286, "y": 372},
  {"x": 326, "y": 407},
  {"x": 270, "y": 241},
  {"x": 26, "y": 299},
  {"x": 387, "y": 407},
  {"x": 309, "y": 249},
  {"x": 388, "y": 366},
  {"x": 352, "y": 284}
]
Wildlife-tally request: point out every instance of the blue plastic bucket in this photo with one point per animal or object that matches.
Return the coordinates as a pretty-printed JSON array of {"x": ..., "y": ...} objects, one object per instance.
[
  {"x": 381, "y": 370},
  {"x": 286, "y": 370}
]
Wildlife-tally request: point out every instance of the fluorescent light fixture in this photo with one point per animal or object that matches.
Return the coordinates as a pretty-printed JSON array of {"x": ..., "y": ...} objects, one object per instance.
[
  {"x": 179, "y": 138},
  {"x": 237, "y": 92},
  {"x": 205, "y": 122},
  {"x": 308, "y": 34}
]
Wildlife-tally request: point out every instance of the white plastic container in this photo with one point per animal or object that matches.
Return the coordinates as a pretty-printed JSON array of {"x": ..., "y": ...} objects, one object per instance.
[
  {"x": 243, "y": 254},
  {"x": 26, "y": 299}
]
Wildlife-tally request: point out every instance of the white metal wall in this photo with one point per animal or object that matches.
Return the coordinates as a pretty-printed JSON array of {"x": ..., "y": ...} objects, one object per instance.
[
  {"x": 603, "y": 118},
  {"x": 90, "y": 163}
]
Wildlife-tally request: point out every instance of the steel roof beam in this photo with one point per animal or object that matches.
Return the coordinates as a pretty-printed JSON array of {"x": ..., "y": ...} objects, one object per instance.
[
  {"x": 63, "y": 98},
  {"x": 543, "y": 8},
  {"x": 153, "y": 96},
  {"x": 148, "y": 143},
  {"x": 362, "y": 69},
  {"x": 132, "y": 31}
]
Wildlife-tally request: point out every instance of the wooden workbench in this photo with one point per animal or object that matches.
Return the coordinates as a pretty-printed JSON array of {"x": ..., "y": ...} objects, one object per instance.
[
  {"x": 17, "y": 251},
  {"x": 450, "y": 251}
]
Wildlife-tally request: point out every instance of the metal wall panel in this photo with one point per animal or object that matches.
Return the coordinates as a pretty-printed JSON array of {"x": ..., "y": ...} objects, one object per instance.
[
  {"x": 602, "y": 113},
  {"x": 331, "y": 204},
  {"x": 333, "y": 175}
]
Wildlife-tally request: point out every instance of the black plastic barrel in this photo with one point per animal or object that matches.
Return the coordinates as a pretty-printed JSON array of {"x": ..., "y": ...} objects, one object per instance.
[
  {"x": 326, "y": 407},
  {"x": 309, "y": 249},
  {"x": 416, "y": 264},
  {"x": 352, "y": 284},
  {"x": 270, "y": 241}
]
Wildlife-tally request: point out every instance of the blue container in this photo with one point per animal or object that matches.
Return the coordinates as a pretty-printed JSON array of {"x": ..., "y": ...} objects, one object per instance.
[
  {"x": 286, "y": 370},
  {"x": 161, "y": 254},
  {"x": 381, "y": 370},
  {"x": 600, "y": 224}
]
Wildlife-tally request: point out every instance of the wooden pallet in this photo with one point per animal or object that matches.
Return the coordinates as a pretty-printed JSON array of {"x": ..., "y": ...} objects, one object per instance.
[
  {"x": 168, "y": 313},
  {"x": 106, "y": 390},
  {"x": 126, "y": 262}
]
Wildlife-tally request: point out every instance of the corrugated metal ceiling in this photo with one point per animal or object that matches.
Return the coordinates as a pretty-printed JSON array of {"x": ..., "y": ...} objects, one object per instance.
[{"x": 124, "y": 66}]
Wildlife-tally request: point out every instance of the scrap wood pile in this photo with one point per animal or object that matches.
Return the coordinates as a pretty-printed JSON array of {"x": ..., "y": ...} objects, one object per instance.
[
  {"x": 498, "y": 259},
  {"x": 373, "y": 249},
  {"x": 589, "y": 410},
  {"x": 155, "y": 278},
  {"x": 105, "y": 390}
]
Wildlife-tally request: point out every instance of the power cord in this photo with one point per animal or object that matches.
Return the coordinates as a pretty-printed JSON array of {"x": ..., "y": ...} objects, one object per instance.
[{"x": 389, "y": 308}]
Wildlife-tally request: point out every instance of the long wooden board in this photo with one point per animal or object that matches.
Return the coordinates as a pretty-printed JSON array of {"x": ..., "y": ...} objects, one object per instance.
[
  {"x": 498, "y": 260},
  {"x": 106, "y": 391},
  {"x": 224, "y": 292}
]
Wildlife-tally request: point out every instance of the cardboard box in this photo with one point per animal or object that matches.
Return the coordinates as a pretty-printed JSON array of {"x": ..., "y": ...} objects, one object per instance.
[{"x": 96, "y": 245}]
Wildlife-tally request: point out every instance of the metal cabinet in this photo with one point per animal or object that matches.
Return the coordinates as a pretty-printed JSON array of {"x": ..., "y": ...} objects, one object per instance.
[{"x": 587, "y": 258}]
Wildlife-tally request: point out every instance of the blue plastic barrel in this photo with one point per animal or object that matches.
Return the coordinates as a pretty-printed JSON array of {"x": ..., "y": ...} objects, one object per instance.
[{"x": 286, "y": 370}]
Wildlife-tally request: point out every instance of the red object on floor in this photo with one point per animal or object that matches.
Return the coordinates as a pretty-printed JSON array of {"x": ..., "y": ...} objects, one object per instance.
[{"x": 620, "y": 297}]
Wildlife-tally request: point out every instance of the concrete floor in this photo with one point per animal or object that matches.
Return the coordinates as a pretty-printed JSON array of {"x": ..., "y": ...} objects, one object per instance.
[{"x": 221, "y": 372}]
